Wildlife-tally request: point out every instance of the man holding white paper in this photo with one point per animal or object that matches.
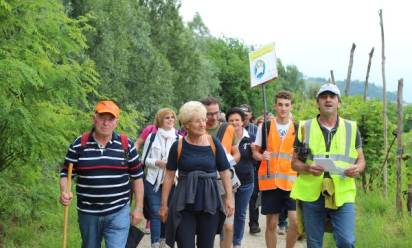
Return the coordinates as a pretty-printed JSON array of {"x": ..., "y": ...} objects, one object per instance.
[
  {"x": 323, "y": 193},
  {"x": 329, "y": 166}
]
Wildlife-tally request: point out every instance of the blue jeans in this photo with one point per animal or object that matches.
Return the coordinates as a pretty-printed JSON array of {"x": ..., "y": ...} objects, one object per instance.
[
  {"x": 114, "y": 228},
  {"x": 154, "y": 198},
  {"x": 343, "y": 223},
  {"x": 242, "y": 197}
]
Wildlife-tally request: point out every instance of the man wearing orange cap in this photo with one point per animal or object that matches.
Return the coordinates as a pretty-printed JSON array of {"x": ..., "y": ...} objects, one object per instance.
[{"x": 104, "y": 162}]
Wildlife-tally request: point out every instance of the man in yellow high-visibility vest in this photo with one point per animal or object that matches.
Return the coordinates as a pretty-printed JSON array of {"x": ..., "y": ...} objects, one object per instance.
[{"x": 328, "y": 156}]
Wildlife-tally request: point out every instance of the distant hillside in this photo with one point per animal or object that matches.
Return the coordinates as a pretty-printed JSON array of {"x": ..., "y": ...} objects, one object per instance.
[{"x": 356, "y": 88}]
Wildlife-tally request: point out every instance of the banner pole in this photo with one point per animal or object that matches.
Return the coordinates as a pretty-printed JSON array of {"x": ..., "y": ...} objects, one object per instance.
[{"x": 265, "y": 128}]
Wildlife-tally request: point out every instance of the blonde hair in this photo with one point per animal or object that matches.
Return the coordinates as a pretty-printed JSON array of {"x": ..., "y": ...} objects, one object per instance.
[
  {"x": 161, "y": 113},
  {"x": 189, "y": 109}
]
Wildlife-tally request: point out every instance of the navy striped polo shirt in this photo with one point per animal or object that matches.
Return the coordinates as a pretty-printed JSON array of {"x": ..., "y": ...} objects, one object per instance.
[{"x": 102, "y": 174}]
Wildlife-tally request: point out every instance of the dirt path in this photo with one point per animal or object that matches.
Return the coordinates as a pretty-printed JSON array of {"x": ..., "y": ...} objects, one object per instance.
[{"x": 249, "y": 240}]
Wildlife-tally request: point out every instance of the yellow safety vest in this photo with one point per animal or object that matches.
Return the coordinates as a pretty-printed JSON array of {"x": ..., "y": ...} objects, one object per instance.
[{"x": 342, "y": 151}]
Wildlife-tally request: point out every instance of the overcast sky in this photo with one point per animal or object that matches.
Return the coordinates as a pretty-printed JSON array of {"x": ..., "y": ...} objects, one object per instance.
[{"x": 317, "y": 35}]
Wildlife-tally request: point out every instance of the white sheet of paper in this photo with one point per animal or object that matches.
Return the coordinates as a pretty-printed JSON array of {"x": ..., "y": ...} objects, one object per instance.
[{"x": 328, "y": 165}]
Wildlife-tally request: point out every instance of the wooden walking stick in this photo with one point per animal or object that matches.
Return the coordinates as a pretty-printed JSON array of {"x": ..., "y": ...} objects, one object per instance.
[{"x": 66, "y": 208}]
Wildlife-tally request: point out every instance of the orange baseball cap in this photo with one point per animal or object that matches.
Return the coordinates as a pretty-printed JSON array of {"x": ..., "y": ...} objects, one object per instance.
[{"x": 108, "y": 107}]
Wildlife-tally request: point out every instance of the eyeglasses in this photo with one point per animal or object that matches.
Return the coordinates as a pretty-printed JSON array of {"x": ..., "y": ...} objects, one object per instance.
[
  {"x": 169, "y": 117},
  {"x": 213, "y": 114}
]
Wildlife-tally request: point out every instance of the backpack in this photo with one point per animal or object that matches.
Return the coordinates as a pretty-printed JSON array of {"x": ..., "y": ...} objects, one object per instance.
[
  {"x": 235, "y": 179},
  {"x": 221, "y": 131},
  {"x": 180, "y": 142},
  {"x": 123, "y": 139},
  {"x": 264, "y": 137},
  {"x": 152, "y": 138},
  {"x": 125, "y": 145}
]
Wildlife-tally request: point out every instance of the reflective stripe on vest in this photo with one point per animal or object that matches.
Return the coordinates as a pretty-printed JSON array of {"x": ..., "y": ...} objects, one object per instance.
[
  {"x": 278, "y": 173},
  {"x": 279, "y": 176},
  {"x": 342, "y": 151},
  {"x": 335, "y": 157},
  {"x": 281, "y": 155}
]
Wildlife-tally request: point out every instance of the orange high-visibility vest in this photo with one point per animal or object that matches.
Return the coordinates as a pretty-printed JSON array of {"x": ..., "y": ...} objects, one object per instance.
[
  {"x": 227, "y": 139},
  {"x": 279, "y": 173}
]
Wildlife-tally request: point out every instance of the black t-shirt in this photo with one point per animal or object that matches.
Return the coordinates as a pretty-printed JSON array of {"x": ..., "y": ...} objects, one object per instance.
[{"x": 245, "y": 168}]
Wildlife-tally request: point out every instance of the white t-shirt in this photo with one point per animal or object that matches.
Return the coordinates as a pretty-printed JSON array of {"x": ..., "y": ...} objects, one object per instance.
[{"x": 282, "y": 130}]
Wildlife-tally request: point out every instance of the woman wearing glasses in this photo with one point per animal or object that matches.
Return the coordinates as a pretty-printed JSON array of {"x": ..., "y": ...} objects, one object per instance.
[{"x": 155, "y": 154}]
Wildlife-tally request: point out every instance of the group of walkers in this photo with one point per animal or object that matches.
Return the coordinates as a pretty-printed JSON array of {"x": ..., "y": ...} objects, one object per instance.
[{"x": 199, "y": 181}]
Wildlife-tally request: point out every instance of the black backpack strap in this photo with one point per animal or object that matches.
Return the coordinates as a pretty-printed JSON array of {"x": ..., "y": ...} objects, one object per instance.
[
  {"x": 221, "y": 131},
  {"x": 296, "y": 125},
  {"x": 152, "y": 137}
]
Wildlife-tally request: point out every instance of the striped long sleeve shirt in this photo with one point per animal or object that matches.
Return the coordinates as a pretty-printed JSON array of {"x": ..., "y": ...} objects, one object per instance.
[{"x": 103, "y": 174}]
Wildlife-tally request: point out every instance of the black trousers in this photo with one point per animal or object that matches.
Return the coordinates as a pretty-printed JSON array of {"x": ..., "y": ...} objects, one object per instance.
[
  {"x": 202, "y": 226},
  {"x": 253, "y": 208}
]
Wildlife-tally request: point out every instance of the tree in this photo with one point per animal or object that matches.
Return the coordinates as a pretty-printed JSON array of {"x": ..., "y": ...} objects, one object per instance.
[
  {"x": 133, "y": 71},
  {"x": 407, "y": 118},
  {"x": 193, "y": 75},
  {"x": 45, "y": 79}
]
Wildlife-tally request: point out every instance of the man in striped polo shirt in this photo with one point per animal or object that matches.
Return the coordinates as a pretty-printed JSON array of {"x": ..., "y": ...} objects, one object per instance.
[{"x": 103, "y": 168}]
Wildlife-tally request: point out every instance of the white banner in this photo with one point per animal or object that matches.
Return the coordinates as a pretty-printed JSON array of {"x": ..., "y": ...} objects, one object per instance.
[{"x": 262, "y": 65}]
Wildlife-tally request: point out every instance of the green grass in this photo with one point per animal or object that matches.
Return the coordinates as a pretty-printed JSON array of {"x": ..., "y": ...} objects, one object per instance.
[
  {"x": 378, "y": 225},
  {"x": 45, "y": 231},
  {"x": 30, "y": 214}
]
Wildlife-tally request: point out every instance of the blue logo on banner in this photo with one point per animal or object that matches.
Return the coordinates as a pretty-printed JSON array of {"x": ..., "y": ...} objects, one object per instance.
[{"x": 260, "y": 68}]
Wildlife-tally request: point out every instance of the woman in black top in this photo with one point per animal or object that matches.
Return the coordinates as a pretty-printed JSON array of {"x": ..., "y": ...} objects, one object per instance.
[
  {"x": 195, "y": 207},
  {"x": 244, "y": 170}
]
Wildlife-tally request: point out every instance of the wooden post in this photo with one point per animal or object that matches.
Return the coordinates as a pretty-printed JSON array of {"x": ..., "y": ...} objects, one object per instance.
[
  {"x": 385, "y": 114},
  {"x": 365, "y": 93},
  {"x": 409, "y": 202},
  {"x": 66, "y": 208},
  {"x": 332, "y": 77},
  {"x": 365, "y": 98},
  {"x": 399, "y": 153},
  {"x": 347, "y": 87}
]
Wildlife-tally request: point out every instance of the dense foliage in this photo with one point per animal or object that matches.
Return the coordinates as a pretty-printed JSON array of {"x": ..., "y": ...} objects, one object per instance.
[
  {"x": 57, "y": 58},
  {"x": 45, "y": 79}
]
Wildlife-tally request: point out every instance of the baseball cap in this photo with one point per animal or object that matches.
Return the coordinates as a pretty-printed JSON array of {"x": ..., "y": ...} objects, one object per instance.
[
  {"x": 108, "y": 106},
  {"x": 245, "y": 108},
  {"x": 329, "y": 87}
]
